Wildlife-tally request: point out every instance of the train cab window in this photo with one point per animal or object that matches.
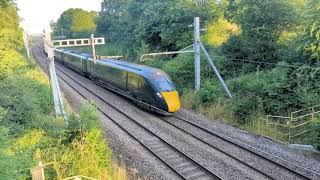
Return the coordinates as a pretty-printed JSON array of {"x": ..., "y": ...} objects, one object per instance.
[{"x": 164, "y": 84}]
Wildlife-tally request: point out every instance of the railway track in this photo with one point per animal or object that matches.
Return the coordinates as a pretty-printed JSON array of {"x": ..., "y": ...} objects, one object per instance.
[
  {"x": 185, "y": 166},
  {"x": 249, "y": 156}
]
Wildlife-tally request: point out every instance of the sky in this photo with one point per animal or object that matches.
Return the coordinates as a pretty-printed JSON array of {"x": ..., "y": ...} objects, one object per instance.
[{"x": 37, "y": 14}]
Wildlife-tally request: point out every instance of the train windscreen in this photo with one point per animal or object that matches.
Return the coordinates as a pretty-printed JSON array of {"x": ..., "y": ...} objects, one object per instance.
[{"x": 164, "y": 84}]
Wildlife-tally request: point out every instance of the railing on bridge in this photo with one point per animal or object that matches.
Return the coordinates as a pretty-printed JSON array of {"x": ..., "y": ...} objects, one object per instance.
[{"x": 293, "y": 129}]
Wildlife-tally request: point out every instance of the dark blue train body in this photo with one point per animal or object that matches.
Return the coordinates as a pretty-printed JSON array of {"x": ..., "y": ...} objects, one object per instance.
[{"x": 149, "y": 87}]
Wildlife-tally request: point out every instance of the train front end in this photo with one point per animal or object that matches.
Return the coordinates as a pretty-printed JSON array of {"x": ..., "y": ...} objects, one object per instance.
[
  {"x": 166, "y": 92},
  {"x": 172, "y": 100}
]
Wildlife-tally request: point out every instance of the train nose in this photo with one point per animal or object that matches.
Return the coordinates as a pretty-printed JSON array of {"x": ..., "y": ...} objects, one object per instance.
[{"x": 172, "y": 100}]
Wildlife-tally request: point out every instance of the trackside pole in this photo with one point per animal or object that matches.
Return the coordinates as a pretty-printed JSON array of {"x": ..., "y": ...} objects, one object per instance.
[
  {"x": 93, "y": 49},
  {"x": 57, "y": 96},
  {"x": 26, "y": 44},
  {"x": 197, "y": 53},
  {"x": 52, "y": 81},
  {"x": 216, "y": 71}
]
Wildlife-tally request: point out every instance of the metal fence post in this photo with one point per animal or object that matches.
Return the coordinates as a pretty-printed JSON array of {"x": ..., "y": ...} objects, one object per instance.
[
  {"x": 197, "y": 65},
  {"x": 289, "y": 126}
]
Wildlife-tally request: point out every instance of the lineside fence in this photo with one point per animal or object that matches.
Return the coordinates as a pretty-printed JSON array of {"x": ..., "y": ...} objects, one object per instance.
[{"x": 296, "y": 129}]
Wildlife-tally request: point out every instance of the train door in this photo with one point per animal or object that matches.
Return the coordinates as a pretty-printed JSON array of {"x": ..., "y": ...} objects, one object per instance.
[
  {"x": 89, "y": 66},
  {"x": 85, "y": 67}
]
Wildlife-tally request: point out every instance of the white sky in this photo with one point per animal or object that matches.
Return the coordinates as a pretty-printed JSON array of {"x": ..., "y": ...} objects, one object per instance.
[{"x": 36, "y": 14}]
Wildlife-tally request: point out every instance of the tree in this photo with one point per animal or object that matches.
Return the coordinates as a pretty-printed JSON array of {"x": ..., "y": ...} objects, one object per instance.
[
  {"x": 159, "y": 25},
  {"x": 75, "y": 23},
  {"x": 312, "y": 32},
  {"x": 262, "y": 23}
]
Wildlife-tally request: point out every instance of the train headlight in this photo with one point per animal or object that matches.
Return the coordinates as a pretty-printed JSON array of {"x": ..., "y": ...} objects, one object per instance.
[{"x": 159, "y": 95}]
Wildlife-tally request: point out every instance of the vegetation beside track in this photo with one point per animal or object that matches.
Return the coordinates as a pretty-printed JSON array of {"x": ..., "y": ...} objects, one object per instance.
[{"x": 29, "y": 132}]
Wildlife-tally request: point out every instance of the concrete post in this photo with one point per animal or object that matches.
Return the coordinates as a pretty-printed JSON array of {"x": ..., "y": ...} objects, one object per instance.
[
  {"x": 26, "y": 44},
  {"x": 57, "y": 96},
  {"x": 197, "y": 53},
  {"x": 93, "y": 49},
  {"x": 49, "y": 50}
]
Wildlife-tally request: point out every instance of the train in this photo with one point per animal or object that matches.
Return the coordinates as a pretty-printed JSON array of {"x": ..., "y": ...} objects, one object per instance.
[{"x": 149, "y": 88}]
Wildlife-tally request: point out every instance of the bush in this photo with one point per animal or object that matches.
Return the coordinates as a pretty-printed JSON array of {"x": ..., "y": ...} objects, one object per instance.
[
  {"x": 179, "y": 70},
  {"x": 89, "y": 156},
  {"x": 210, "y": 92},
  {"x": 243, "y": 108},
  {"x": 189, "y": 99},
  {"x": 25, "y": 100}
]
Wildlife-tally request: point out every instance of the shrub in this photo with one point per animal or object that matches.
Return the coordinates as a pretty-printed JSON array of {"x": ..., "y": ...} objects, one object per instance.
[
  {"x": 25, "y": 100},
  {"x": 89, "y": 157},
  {"x": 210, "y": 92},
  {"x": 189, "y": 99},
  {"x": 179, "y": 70},
  {"x": 243, "y": 108}
]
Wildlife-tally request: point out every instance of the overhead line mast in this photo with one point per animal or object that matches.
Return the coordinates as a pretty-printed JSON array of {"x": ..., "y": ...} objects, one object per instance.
[{"x": 50, "y": 46}]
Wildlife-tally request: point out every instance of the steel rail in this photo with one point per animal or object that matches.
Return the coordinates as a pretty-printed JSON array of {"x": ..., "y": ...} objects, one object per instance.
[
  {"x": 218, "y": 149},
  {"x": 183, "y": 155},
  {"x": 308, "y": 175}
]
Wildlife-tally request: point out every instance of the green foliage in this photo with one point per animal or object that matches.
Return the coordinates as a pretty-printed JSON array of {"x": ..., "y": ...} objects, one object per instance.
[
  {"x": 161, "y": 25},
  {"x": 181, "y": 71},
  {"x": 89, "y": 117},
  {"x": 220, "y": 31},
  {"x": 262, "y": 23},
  {"x": 87, "y": 120},
  {"x": 4, "y": 3},
  {"x": 10, "y": 32},
  {"x": 27, "y": 126},
  {"x": 75, "y": 23},
  {"x": 312, "y": 34},
  {"x": 210, "y": 92},
  {"x": 20, "y": 96},
  {"x": 246, "y": 101},
  {"x": 88, "y": 156}
]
